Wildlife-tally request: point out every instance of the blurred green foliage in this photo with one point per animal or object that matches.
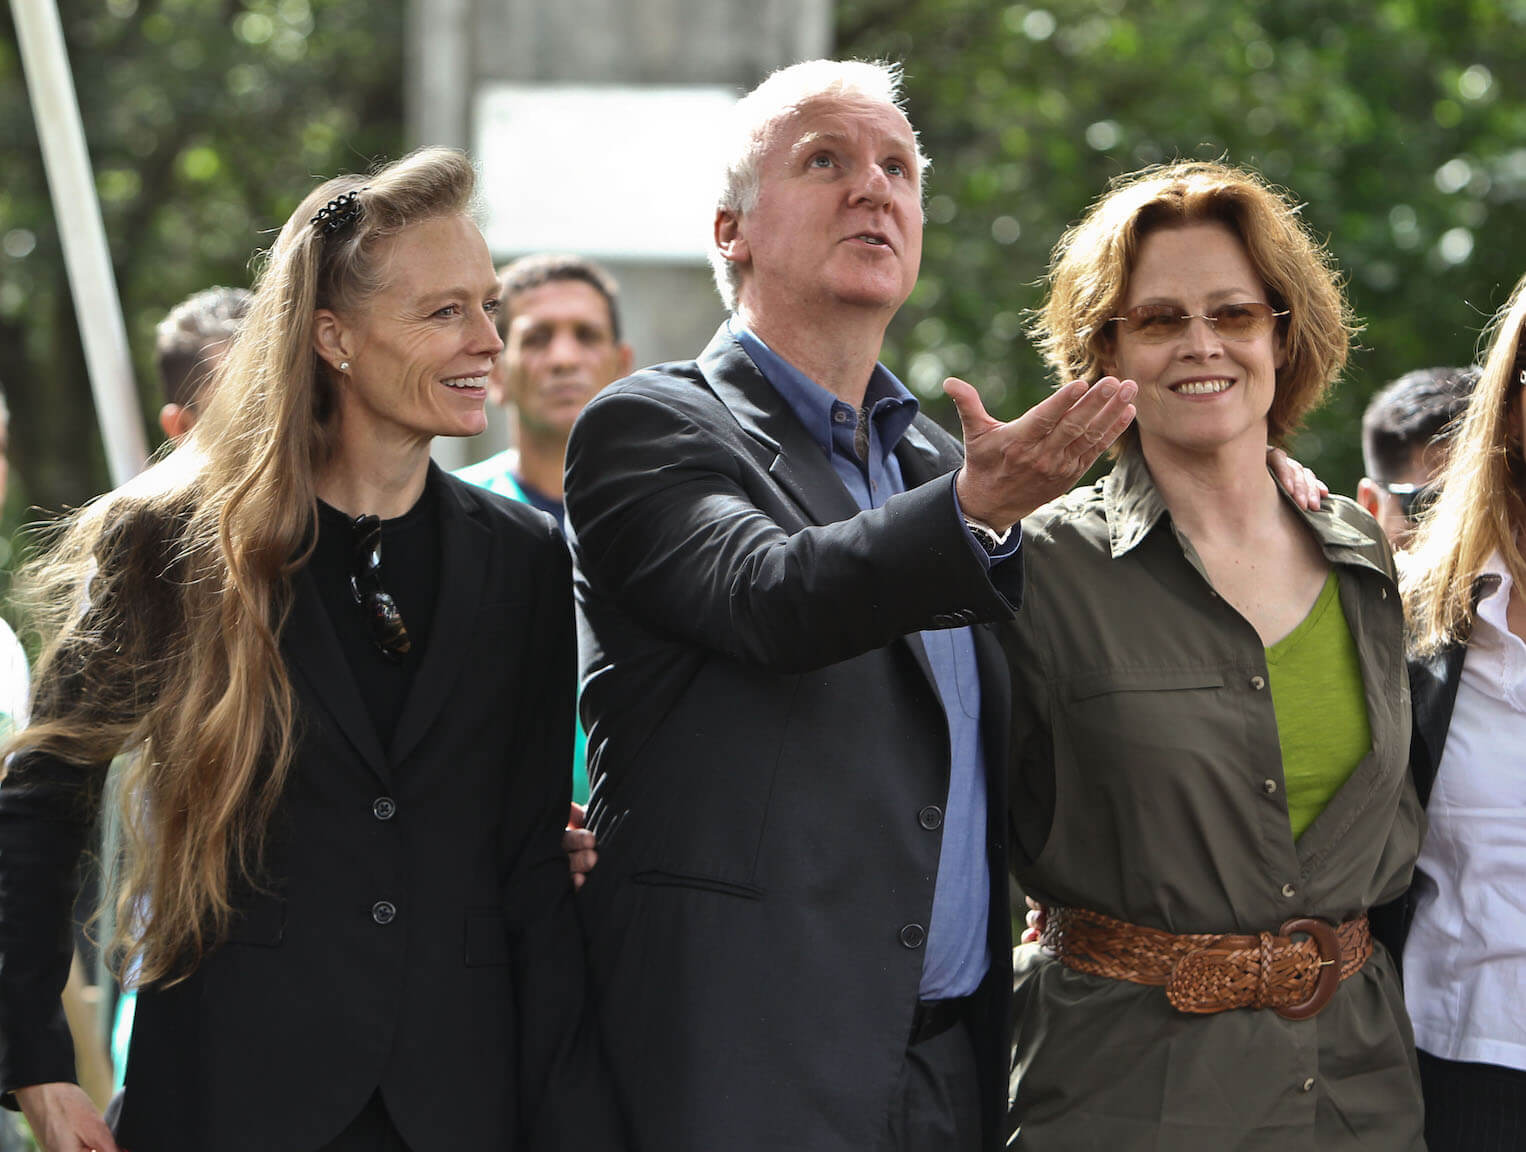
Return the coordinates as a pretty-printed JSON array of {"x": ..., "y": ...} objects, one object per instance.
[
  {"x": 1400, "y": 124},
  {"x": 206, "y": 120}
]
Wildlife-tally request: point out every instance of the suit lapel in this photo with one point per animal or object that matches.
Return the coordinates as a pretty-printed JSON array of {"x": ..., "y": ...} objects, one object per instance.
[
  {"x": 799, "y": 466},
  {"x": 921, "y": 460},
  {"x": 313, "y": 651},
  {"x": 466, "y": 554}
]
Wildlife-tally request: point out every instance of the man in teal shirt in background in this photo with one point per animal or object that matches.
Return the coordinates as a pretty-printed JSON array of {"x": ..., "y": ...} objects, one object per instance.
[{"x": 559, "y": 317}]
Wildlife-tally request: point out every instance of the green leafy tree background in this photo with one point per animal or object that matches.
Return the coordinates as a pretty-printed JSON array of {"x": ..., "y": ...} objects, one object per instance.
[
  {"x": 1399, "y": 123},
  {"x": 206, "y": 120}
]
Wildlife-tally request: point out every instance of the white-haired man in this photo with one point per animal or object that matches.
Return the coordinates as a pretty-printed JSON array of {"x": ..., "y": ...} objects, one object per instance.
[{"x": 796, "y": 707}]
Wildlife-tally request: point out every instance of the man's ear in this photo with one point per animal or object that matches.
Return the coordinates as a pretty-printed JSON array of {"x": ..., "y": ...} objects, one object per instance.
[
  {"x": 331, "y": 338},
  {"x": 1367, "y": 496},
  {"x": 625, "y": 359},
  {"x": 176, "y": 420},
  {"x": 729, "y": 240}
]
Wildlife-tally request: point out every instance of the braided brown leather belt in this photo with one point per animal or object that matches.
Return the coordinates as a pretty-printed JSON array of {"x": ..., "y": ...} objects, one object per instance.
[{"x": 1203, "y": 973}]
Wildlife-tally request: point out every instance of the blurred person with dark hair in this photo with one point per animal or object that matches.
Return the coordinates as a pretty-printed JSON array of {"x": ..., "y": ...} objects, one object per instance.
[
  {"x": 559, "y": 317},
  {"x": 1461, "y": 931},
  {"x": 1405, "y": 432},
  {"x": 347, "y": 679},
  {"x": 189, "y": 346}
]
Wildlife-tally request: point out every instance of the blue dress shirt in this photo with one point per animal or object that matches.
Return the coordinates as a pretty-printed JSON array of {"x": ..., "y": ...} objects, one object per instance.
[{"x": 956, "y": 958}]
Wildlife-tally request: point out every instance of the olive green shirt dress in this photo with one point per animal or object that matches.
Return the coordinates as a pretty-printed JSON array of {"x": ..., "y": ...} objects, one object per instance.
[{"x": 1147, "y": 784}]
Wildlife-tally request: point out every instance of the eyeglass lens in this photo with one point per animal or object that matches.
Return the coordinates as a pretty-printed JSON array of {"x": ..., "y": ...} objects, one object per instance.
[
  {"x": 1413, "y": 499},
  {"x": 1157, "y": 323}
]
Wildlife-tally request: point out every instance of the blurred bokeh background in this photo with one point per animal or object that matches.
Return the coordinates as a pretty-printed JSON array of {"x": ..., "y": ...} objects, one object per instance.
[{"x": 1400, "y": 124}]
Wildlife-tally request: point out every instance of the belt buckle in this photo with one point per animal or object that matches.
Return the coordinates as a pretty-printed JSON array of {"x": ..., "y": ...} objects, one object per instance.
[{"x": 1322, "y": 932}]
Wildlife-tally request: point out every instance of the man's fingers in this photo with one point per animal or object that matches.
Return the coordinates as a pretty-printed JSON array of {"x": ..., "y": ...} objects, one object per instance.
[
  {"x": 1110, "y": 424},
  {"x": 1045, "y": 417},
  {"x": 973, "y": 417},
  {"x": 1023, "y": 465},
  {"x": 576, "y": 815},
  {"x": 1093, "y": 422}
]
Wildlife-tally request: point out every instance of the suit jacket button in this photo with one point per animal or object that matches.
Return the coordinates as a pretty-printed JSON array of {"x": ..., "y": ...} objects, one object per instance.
[
  {"x": 930, "y": 817},
  {"x": 913, "y": 935},
  {"x": 384, "y": 807},
  {"x": 384, "y": 912}
]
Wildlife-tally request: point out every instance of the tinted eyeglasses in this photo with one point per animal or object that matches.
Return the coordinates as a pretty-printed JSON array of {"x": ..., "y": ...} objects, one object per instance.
[
  {"x": 388, "y": 632},
  {"x": 1413, "y": 499},
  {"x": 1158, "y": 323}
]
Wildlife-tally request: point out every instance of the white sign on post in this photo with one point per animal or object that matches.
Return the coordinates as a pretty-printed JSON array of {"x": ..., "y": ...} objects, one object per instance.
[{"x": 617, "y": 172}]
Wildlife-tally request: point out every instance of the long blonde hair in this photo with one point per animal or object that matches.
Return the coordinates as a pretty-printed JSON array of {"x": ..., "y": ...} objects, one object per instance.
[
  {"x": 1481, "y": 508},
  {"x": 160, "y": 605}
]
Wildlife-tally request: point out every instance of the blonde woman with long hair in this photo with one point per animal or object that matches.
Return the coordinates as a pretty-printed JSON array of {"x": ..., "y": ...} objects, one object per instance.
[
  {"x": 346, "y": 681},
  {"x": 1463, "y": 938}
]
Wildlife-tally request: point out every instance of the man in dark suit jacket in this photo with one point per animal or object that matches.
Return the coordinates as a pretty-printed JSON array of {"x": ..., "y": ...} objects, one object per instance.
[{"x": 795, "y": 703}]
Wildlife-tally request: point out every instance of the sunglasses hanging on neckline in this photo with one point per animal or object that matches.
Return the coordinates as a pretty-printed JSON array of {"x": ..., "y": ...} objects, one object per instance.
[{"x": 388, "y": 632}]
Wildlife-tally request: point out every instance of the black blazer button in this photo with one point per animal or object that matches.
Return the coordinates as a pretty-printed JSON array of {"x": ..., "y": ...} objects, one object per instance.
[
  {"x": 913, "y": 935},
  {"x": 384, "y": 807},
  {"x": 384, "y": 912},
  {"x": 931, "y": 817}
]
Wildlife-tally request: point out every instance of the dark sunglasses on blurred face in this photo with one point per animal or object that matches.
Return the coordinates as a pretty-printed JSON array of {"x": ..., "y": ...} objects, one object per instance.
[
  {"x": 388, "y": 632},
  {"x": 1413, "y": 499},
  {"x": 1158, "y": 323}
]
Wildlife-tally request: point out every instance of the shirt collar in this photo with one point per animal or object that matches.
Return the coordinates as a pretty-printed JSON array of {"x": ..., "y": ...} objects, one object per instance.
[
  {"x": 1131, "y": 501},
  {"x": 1494, "y": 586},
  {"x": 1134, "y": 506},
  {"x": 891, "y": 405}
]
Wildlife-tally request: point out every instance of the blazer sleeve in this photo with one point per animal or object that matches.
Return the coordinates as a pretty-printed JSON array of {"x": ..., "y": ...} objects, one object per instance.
[
  {"x": 47, "y": 809},
  {"x": 666, "y": 507},
  {"x": 564, "y": 1094}
]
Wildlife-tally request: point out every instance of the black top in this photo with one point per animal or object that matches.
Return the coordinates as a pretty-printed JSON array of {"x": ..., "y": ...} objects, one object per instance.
[
  {"x": 538, "y": 499},
  {"x": 410, "y": 571}
]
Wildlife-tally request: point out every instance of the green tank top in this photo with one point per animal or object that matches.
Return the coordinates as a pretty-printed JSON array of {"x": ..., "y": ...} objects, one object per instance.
[{"x": 1318, "y": 696}]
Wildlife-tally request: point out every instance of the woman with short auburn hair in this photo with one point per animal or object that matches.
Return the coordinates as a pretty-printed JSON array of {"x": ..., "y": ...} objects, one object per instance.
[
  {"x": 1210, "y": 719},
  {"x": 1090, "y": 268}
]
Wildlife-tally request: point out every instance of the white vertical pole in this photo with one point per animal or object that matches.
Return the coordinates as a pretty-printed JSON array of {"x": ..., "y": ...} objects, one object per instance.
[{"x": 78, "y": 213}]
